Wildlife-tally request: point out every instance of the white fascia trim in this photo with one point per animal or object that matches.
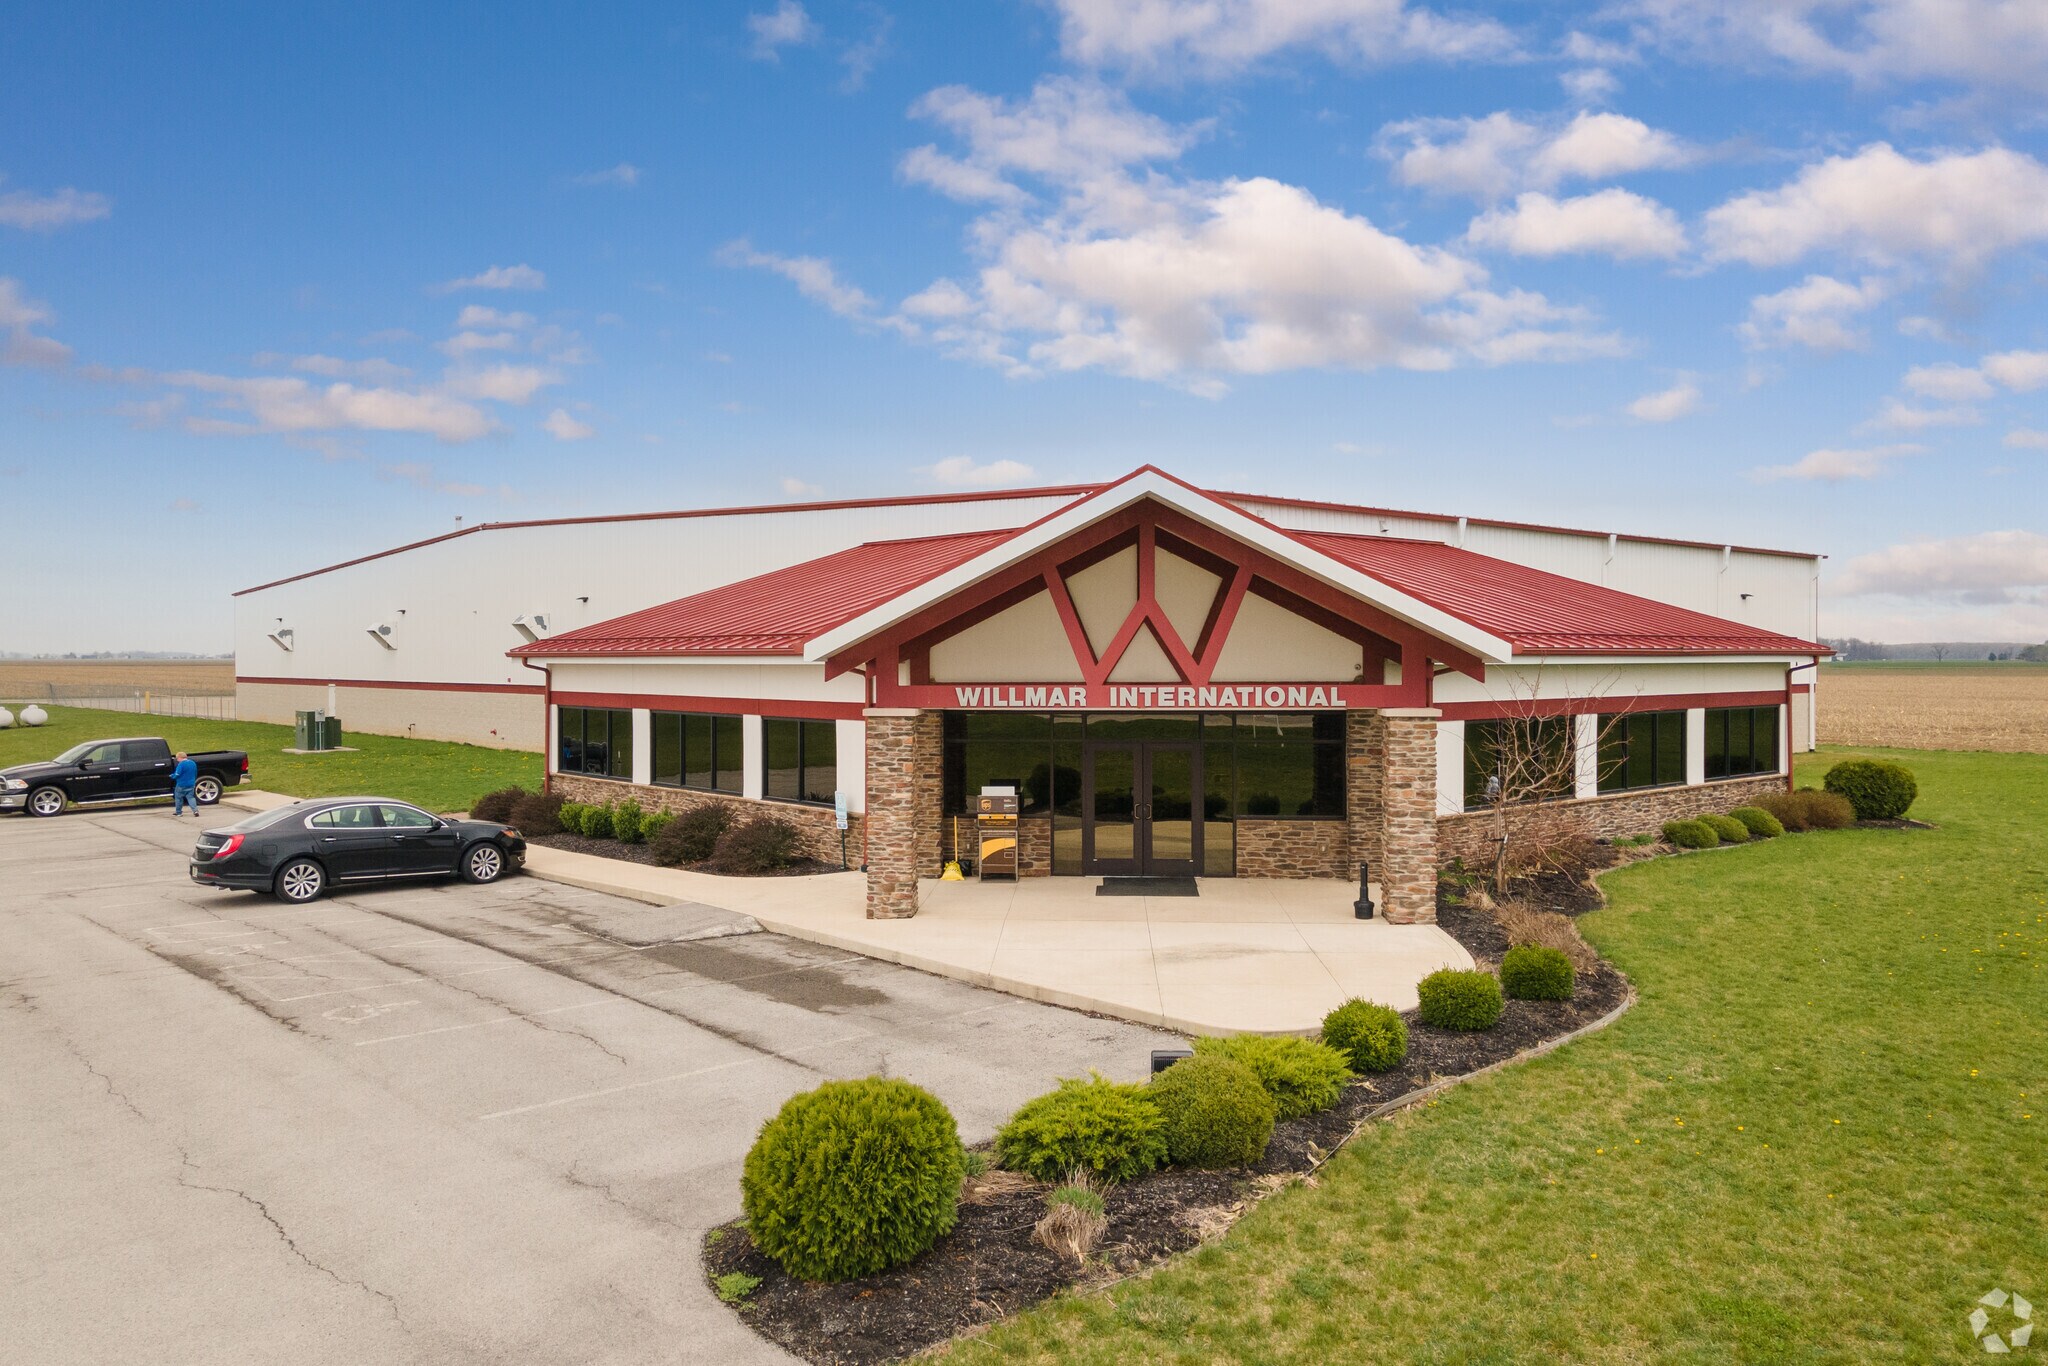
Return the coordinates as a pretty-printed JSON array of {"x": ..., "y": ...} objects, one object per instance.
[
  {"x": 1654, "y": 658},
  {"x": 1218, "y": 515},
  {"x": 559, "y": 660}
]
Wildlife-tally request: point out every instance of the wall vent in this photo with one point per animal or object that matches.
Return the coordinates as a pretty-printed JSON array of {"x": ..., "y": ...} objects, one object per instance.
[
  {"x": 283, "y": 638},
  {"x": 382, "y": 635}
]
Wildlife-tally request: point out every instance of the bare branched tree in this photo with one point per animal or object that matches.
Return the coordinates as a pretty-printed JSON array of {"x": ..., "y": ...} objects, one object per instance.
[{"x": 1532, "y": 755}]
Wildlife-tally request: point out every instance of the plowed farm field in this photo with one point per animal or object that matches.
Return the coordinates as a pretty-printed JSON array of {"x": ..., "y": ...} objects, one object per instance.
[
  {"x": 30, "y": 679},
  {"x": 1939, "y": 706}
]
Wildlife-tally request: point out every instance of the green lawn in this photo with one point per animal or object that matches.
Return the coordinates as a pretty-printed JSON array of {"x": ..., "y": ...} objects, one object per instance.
[
  {"x": 438, "y": 776},
  {"x": 1818, "y": 1137}
]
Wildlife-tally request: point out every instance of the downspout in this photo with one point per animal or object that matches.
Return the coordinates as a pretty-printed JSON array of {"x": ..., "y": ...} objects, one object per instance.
[
  {"x": 1791, "y": 669},
  {"x": 547, "y": 720},
  {"x": 866, "y": 770}
]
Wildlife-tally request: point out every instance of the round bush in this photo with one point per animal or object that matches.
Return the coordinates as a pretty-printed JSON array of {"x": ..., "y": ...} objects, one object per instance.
[
  {"x": 1374, "y": 1037},
  {"x": 1531, "y": 972},
  {"x": 1690, "y": 834},
  {"x": 626, "y": 818},
  {"x": 1115, "y": 1131},
  {"x": 497, "y": 806},
  {"x": 1760, "y": 824},
  {"x": 571, "y": 816},
  {"x": 654, "y": 822},
  {"x": 694, "y": 835},
  {"x": 1878, "y": 789},
  {"x": 1452, "y": 999},
  {"x": 1217, "y": 1114},
  {"x": 538, "y": 813},
  {"x": 597, "y": 822},
  {"x": 853, "y": 1178},
  {"x": 1727, "y": 829},
  {"x": 1302, "y": 1076},
  {"x": 761, "y": 845}
]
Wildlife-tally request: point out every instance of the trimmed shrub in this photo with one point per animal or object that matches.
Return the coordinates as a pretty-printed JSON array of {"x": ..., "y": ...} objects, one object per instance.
[
  {"x": 1525, "y": 924},
  {"x": 654, "y": 822},
  {"x": 538, "y": 813},
  {"x": 1690, "y": 834},
  {"x": 693, "y": 836},
  {"x": 1760, "y": 824},
  {"x": 1878, "y": 789},
  {"x": 497, "y": 806},
  {"x": 1373, "y": 1037},
  {"x": 1809, "y": 809},
  {"x": 1217, "y": 1114},
  {"x": 1730, "y": 830},
  {"x": 853, "y": 1178},
  {"x": 571, "y": 816},
  {"x": 1530, "y": 972},
  {"x": 1467, "y": 1000},
  {"x": 1092, "y": 1125},
  {"x": 626, "y": 818},
  {"x": 760, "y": 845},
  {"x": 597, "y": 822},
  {"x": 1303, "y": 1076}
]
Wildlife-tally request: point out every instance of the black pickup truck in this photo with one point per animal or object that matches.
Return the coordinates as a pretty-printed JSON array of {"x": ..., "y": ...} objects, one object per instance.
[{"x": 100, "y": 772}]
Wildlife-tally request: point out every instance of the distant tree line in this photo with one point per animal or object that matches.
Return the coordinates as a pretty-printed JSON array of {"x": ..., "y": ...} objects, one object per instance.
[{"x": 1855, "y": 650}]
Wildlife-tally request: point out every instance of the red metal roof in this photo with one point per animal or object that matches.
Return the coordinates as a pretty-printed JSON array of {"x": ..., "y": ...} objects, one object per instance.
[
  {"x": 1543, "y": 613},
  {"x": 776, "y": 612},
  {"x": 1535, "y": 611}
]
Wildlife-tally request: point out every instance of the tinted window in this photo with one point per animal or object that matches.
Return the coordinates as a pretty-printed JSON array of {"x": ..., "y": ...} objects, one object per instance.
[
  {"x": 345, "y": 818},
  {"x": 694, "y": 749},
  {"x": 1641, "y": 749},
  {"x": 143, "y": 751},
  {"x": 801, "y": 758}
]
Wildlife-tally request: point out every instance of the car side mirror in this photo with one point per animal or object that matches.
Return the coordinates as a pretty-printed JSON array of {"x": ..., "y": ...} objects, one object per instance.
[{"x": 85, "y": 763}]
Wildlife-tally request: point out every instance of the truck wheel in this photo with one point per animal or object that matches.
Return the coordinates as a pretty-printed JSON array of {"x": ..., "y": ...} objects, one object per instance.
[
  {"x": 207, "y": 789},
  {"x": 45, "y": 801},
  {"x": 301, "y": 880},
  {"x": 483, "y": 863}
]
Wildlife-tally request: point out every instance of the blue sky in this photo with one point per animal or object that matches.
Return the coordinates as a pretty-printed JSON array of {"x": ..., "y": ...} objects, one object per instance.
[{"x": 280, "y": 287}]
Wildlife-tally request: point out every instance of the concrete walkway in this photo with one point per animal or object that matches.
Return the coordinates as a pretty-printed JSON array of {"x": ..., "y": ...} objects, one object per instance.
[{"x": 1246, "y": 956}]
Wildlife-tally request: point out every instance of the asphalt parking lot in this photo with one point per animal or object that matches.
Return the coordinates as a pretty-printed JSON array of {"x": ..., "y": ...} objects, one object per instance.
[{"x": 418, "y": 1123}]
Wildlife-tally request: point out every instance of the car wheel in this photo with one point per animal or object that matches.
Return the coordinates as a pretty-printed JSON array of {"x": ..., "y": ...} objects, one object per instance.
[
  {"x": 483, "y": 863},
  {"x": 207, "y": 790},
  {"x": 45, "y": 801},
  {"x": 301, "y": 880}
]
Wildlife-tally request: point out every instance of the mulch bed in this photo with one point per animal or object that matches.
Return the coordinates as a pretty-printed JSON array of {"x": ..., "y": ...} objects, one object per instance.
[
  {"x": 989, "y": 1267},
  {"x": 643, "y": 854}
]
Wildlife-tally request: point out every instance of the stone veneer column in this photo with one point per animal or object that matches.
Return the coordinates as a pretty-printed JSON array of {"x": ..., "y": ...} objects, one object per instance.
[
  {"x": 928, "y": 789},
  {"x": 1407, "y": 872},
  {"x": 1365, "y": 764},
  {"x": 893, "y": 812}
]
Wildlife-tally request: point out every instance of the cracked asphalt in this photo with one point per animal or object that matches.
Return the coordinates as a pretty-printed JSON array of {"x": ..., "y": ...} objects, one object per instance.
[{"x": 419, "y": 1123}]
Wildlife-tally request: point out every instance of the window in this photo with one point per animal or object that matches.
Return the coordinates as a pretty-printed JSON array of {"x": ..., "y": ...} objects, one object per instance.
[
  {"x": 985, "y": 749},
  {"x": 1741, "y": 741},
  {"x": 405, "y": 818},
  {"x": 692, "y": 749},
  {"x": 596, "y": 743},
  {"x": 801, "y": 760},
  {"x": 344, "y": 818},
  {"x": 143, "y": 751},
  {"x": 105, "y": 754},
  {"x": 1645, "y": 749},
  {"x": 1528, "y": 757},
  {"x": 1290, "y": 765}
]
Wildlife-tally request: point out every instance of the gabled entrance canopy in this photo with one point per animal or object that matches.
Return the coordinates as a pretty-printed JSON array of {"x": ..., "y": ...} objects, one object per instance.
[{"x": 1138, "y": 656}]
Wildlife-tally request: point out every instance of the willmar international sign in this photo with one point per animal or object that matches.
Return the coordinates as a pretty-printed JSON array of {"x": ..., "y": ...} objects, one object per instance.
[{"x": 1153, "y": 696}]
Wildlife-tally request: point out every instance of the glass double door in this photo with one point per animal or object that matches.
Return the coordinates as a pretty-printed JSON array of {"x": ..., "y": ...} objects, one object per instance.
[{"x": 1140, "y": 801}]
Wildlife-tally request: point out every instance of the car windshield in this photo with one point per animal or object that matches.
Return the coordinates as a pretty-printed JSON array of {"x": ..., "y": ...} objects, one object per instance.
[{"x": 262, "y": 820}]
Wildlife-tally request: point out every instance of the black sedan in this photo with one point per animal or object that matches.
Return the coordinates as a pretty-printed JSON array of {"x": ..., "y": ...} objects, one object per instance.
[{"x": 301, "y": 850}]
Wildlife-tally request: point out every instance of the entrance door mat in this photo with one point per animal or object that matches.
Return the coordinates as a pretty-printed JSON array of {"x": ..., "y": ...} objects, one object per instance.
[{"x": 1148, "y": 886}]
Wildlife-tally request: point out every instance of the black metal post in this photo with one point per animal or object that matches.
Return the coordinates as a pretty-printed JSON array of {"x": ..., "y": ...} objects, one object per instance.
[{"x": 1362, "y": 908}]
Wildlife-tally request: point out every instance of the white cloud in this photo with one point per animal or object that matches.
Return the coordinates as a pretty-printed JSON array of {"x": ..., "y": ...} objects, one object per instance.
[
  {"x": 2027, "y": 439},
  {"x": 1948, "y": 382},
  {"x": 34, "y": 212},
  {"x": 1977, "y": 42},
  {"x": 1610, "y": 222},
  {"x": 787, "y": 25},
  {"x": 960, "y": 471},
  {"x": 468, "y": 343},
  {"x": 20, "y": 343},
  {"x": 499, "y": 277},
  {"x": 957, "y": 179},
  {"x": 797, "y": 488},
  {"x": 859, "y": 58},
  {"x": 623, "y": 176},
  {"x": 1833, "y": 466},
  {"x": 1954, "y": 209},
  {"x": 482, "y": 315},
  {"x": 2025, "y": 371},
  {"x": 1666, "y": 405},
  {"x": 813, "y": 277},
  {"x": 563, "y": 427},
  {"x": 1988, "y": 567},
  {"x": 1590, "y": 84},
  {"x": 500, "y": 383},
  {"x": 1904, "y": 417},
  {"x": 1218, "y": 36},
  {"x": 1067, "y": 132},
  {"x": 294, "y": 406},
  {"x": 1492, "y": 157},
  {"x": 1814, "y": 313}
]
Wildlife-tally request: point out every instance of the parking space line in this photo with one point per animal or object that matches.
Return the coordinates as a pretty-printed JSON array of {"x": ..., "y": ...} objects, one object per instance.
[{"x": 502, "y": 1019}]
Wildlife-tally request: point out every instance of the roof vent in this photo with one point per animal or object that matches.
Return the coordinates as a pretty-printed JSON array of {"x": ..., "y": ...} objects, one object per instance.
[
  {"x": 282, "y": 638},
  {"x": 532, "y": 626},
  {"x": 382, "y": 635}
]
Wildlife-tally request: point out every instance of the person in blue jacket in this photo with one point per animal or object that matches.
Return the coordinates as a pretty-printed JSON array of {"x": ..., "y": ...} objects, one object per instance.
[{"x": 184, "y": 778}]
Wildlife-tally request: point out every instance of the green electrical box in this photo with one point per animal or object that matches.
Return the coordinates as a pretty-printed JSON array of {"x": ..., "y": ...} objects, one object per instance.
[
  {"x": 304, "y": 732},
  {"x": 330, "y": 734}
]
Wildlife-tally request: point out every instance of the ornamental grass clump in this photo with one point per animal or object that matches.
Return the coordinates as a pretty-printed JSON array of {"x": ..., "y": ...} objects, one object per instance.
[
  {"x": 1075, "y": 1216},
  {"x": 1690, "y": 835},
  {"x": 1531, "y": 972},
  {"x": 1217, "y": 1114},
  {"x": 1809, "y": 809},
  {"x": 1878, "y": 789},
  {"x": 1303, "y": 1076},
  {"x": 1727, "y": 828},
  {"x": 1374, "y": 1037},
  {"x": 1464, "y": 1000},
  {"x": 1089, "y": 1125},
  {"x": 1761, "y": 824},
  {"x": 853, "y": 1178},
  {"x": 497, "y": 806}
]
